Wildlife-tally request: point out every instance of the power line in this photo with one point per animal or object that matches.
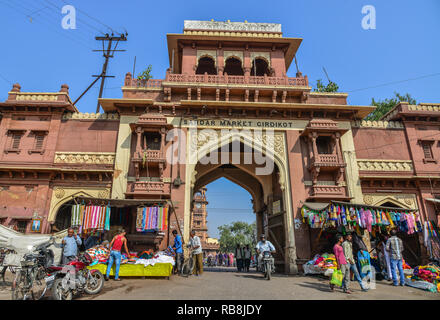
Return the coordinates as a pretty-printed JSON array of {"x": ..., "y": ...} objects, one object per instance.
[
  {"x": 51, "y": 25},
  {"x": 6, "y": 80},
  {"x": 395, "y": 82},
  {"x": 79, "y": 19},
  {"x": 93, "y": 18}
]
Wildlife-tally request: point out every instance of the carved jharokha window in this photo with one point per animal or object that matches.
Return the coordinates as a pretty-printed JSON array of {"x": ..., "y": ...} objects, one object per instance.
[
  {"x": 152, "y": 140},
  {"x": 40, "y": 137},
  {"x": 15, "y": 141},
  {"x": 206, "y": 64},
  {"x": 323, "y": 144}
]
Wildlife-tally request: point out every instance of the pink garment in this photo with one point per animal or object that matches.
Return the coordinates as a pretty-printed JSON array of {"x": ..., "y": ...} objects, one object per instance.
[
  {"x": 367, "y": 219},
  {"x": 410, "y": 221},
  {"x": 231, "y": 259},
  {"x": 339, "y": 254}
]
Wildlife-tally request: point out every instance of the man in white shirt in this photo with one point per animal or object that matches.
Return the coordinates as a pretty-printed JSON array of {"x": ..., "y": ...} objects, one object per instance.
[
  {"x": 247, "y": 257},
  {"x": 196, "y": 245},
  {"x": 262, "y": 246}
]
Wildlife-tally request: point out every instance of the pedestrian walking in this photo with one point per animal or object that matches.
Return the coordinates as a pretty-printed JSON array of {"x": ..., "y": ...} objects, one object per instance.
[
  {"x": 247, "y": 257},
  {"x": 342, "y": 264},
  {"x": 196, "y": 245},
  {"x": 231, "y": 259},
  {"x": 348, "y": 253},
  {"x": 395, "y": 248},
  {"x": 239, "y": 256}
]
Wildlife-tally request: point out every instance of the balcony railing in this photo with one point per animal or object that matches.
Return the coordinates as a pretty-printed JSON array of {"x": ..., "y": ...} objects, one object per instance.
[
  {"x": 147, "y": 186},
  {"x": 217, "y": 79},
  {"x": 328, "y": 191},
  {"x": 150, "y": 155},
  {"x": 327, "y": 161},
  {"x": 327, "y": 158}
]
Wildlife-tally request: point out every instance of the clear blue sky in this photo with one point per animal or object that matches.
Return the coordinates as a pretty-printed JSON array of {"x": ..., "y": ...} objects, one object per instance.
[{"x": 41, "y": 56}]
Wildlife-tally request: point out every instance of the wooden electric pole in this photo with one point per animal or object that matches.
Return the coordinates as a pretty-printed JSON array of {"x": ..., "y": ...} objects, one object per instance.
[{"x": 107, "y": 53}]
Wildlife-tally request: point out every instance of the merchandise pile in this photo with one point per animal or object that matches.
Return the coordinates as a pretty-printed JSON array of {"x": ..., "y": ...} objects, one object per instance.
[
  {"x": 321, "y": 264},
  {"x": 100, "y": 254},
  {"x": 425, "y": 277}
]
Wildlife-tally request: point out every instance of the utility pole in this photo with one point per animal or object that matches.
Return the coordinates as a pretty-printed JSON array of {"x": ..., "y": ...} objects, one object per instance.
[{"x": 107, "y": 54}]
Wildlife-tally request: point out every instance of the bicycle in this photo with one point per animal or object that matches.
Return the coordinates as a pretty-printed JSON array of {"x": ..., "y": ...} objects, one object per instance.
[
  {"x": 187, "y": 265},
  {"x": 12, "y": 269}
]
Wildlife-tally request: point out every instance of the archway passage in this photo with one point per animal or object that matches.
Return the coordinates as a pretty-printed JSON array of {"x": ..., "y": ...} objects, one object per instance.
[
  {"x": 64, "y": 216},
  {"x": 233, "y": 67},
  {"x": 206, "y": 64},
  {"x": 267, "y": 196},
  {"x": 260, "y": 67}
]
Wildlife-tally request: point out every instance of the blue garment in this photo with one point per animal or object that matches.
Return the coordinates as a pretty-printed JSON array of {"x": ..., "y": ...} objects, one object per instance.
[
  {"x": 398, "y": 263},
  {"x": 115, "y": 256},
  {"x": 364, "y": 263},
  {"x": 91, "y": 242},
  {"x": 178, "y": 244},
  {"x": 356, "y": 274},
  {"x": 71, "y": 246},
  {"x": 267, "y": 246}
]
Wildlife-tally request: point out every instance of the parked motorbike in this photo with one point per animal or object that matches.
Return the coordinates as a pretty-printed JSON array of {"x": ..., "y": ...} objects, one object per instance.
[
  {"x": 29, "y": 282},
  {"x": 267, "y": 265},
  {"x": 75, "y": 278}
]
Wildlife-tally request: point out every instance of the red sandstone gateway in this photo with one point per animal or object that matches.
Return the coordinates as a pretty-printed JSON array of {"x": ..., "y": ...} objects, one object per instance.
[{"x": 221, "y": 73}]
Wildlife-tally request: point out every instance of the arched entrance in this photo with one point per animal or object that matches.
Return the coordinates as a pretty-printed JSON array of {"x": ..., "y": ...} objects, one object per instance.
[
  {"x": 63, "y": 216},
  {"x": 271, "y": 199}
]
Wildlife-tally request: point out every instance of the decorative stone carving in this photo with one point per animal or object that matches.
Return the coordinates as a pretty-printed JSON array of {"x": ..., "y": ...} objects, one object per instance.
[
  {"x": 262, "y": 55},
  {"x": 207, "y": 53},
  {"x": 235, "y": 54},
  {"x": 377, "y": 124},
  {"x": 368, "y": 199},
  {"x": 104, "y": 194},
  {"x": 90, "y": 116},
  {"x": 231, "y": 26},
  {"x": 59, "y": 193},
  {"x": 385, "y": 165},
  {"x": 36, "y": 97},
  {"x": 103, "y": 158},
  {"x": 409, "y": 201}
]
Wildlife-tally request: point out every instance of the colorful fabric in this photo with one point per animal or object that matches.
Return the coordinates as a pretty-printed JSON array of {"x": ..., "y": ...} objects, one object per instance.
[
  {"x": 107, "y": 218},
  {"x": 76, "y": 215}
]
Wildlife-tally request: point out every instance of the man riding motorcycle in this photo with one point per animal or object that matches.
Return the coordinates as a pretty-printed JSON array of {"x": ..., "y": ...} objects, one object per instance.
[{"x": 262, "y": 246}]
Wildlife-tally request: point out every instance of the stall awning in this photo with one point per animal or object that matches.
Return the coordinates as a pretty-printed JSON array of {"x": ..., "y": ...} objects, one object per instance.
[
  {"x": 322, "y": 205},
  {"x": 433, "y": 200},
  {"x": 122, "y": 202},
  {"x": 316, "y": 205}
]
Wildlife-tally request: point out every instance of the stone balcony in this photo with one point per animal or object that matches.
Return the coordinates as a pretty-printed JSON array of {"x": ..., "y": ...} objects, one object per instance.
[
  {"x": 155, "y": 156},
  {"x": 207, "y": 79},
  {"x": 326, "y": 191},
  {"x": 148, "y": 188},
  {"x": 327, "y": 161}
]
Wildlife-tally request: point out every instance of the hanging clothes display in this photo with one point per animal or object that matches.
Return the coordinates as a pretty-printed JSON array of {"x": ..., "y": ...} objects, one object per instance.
[{"x": 151, "y": 219}]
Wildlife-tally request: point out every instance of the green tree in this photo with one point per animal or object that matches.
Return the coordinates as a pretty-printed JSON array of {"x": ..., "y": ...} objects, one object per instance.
[
  {"x": 237, "y": 232},
  {"x": 146, "y": 74},
  {"x": 330, "y": 87},
  {"x": 383, "y": 106}
]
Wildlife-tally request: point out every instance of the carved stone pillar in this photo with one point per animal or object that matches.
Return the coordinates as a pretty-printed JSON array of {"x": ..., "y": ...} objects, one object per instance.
[
  {"x": 338, "y": 146},
  {"x": 256, "y": 95},
  {"x": 136, "y": 169},
  {"x": 138, "y": 141},
  {"x": 315, "y": 148}
]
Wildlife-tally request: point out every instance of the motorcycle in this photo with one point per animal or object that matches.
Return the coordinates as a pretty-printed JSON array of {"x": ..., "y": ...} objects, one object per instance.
[
  {"x": 267, "y": 265},
  {"x": 29, "y": 282},
  {"x": 75, "y": 278}
]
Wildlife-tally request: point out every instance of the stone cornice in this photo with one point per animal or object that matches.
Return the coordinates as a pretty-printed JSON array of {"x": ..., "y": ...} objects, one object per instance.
[
  {"x": 378, "y": 124},
  {"x": 96, "y": 158},
  {"x": 90, "y": 116},
  {"x": 385, "y": 165}
]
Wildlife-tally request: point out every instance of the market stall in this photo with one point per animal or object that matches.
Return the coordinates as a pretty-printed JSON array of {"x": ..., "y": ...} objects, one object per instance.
[
  {"x": 325, "y": 220},
  {"x": 146, "y": 223}
]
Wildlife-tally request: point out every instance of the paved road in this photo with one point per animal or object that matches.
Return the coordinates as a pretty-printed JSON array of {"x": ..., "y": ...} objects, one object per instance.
[{"x": 240, "y": 286}]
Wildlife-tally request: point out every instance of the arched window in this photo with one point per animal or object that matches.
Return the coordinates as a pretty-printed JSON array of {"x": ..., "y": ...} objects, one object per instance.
[
  {"x": 206, "y": 64},
  {"x": 233, "y": 67},
  {"x": 262, "y": 67}
]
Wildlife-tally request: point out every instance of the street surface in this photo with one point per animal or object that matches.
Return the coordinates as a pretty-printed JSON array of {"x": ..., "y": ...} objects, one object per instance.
[{"x": 241, "y": 286}]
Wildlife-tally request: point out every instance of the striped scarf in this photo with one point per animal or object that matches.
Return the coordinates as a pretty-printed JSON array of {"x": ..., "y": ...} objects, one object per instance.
[{"x": 76, "y": 215}]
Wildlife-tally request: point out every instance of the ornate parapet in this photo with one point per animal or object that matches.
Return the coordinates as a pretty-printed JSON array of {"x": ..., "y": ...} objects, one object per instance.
[
  {"x": 385, "y": 165},
  {"x": 90, "y": 116},
  {"x": 377, "y": 124},
  {"x": 96, "y": 158},
  {"x": 424, "y": 107}
]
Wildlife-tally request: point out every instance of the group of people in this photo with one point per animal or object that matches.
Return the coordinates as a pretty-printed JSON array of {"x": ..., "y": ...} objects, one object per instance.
[
  {"x": 343, "y": 250},
  {"x": 71, "y": 245}
]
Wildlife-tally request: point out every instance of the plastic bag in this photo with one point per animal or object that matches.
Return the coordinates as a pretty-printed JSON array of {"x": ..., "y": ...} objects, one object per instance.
[{"x": 337, "y": 277}]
